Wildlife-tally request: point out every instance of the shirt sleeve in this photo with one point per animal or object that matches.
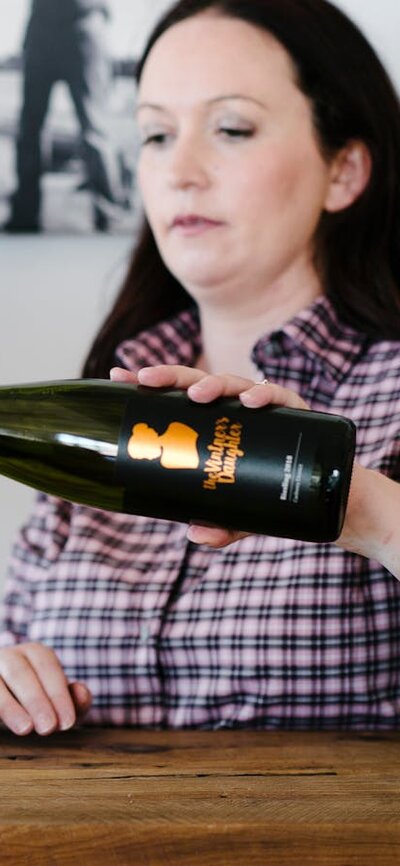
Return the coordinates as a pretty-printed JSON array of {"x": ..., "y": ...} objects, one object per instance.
[{"x": 37, "y": 545}]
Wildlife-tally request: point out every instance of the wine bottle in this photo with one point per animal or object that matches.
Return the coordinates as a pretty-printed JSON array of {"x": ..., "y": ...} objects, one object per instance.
[{"x": 156, "y": 453}]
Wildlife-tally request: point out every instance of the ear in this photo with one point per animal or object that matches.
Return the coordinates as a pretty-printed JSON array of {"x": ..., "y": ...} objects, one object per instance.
[{"x": 349, "y": 176}]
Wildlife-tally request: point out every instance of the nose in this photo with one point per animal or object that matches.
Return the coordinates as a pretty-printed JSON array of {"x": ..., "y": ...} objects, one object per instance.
[{"x": 188, "y": 164}]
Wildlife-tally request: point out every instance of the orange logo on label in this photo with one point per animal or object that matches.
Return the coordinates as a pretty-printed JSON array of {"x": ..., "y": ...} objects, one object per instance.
[
  {"x": 221, "y": 466},
  {"x": 176, "y": 448}
]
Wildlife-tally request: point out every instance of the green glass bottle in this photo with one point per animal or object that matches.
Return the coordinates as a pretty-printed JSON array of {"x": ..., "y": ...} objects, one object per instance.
[{"x": 156, "y": 453}]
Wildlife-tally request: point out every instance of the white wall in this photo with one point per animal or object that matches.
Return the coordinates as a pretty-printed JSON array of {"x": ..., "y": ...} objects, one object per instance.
[
  {"x": 53, "y": 294},
  {"x": 55, "y": 291},
  {"x": 380, "y": 21}
]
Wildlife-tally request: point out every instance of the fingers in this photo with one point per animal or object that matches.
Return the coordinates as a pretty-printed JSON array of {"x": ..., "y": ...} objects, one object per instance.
[
  {"x": 213, "y": 536},
  {"x": 251, "y": 395},
  {"x": 201, "y": 387},
  {"x": 118, "y": 374},
  {"x": 12, "y": 714},
  {"x": 81, "y": 697},
  {"x": 270, "y": 394},
  {"x": 169, "y": 376},
  {"x": 212, "y": 387},
  {"x": 34, "y": 692}
]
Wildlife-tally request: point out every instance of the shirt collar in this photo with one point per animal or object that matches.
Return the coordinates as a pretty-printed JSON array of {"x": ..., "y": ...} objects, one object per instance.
[
  {"x": 174, "y": 341},
  {"x": 315, "y": 332}
]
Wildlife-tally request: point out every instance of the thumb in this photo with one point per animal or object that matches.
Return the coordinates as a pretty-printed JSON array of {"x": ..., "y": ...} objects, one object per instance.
[
  {"x": 213, "y": 536},
  {"x": 81, "y": 696}
]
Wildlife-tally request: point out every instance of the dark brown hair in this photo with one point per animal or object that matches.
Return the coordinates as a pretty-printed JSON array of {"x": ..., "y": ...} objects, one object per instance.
[{"x": 357, "y": 250}]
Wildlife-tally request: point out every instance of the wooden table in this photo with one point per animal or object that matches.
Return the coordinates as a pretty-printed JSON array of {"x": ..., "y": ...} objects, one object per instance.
[{"x": 230, "y": 798}]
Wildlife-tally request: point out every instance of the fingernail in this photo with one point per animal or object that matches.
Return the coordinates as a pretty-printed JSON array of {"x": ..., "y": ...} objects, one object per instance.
[
  {"x": 143, "y": 373},
  {"x": 82, "y": 694},
  {"x": 197, "y": 535},
  {"x": 249, "y": 398},
  {"x": 44, "y": 724},
  {"x": 198, "y": 386},
  {"x": 67, "y": 722},
  {"x": 23, "y": 727}
]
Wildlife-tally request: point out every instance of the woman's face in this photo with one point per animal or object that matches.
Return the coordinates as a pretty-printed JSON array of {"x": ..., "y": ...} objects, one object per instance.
[{"x": 232, "y": 179}]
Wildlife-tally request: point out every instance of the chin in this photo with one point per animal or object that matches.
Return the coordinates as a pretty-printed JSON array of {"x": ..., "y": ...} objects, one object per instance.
[
  {"x": 199, "y": 286},
  {"x": 200, "y": 277}
]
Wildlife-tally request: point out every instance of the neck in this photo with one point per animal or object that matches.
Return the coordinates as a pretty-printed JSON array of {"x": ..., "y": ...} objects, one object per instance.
[{"x": 230, "y": 330}]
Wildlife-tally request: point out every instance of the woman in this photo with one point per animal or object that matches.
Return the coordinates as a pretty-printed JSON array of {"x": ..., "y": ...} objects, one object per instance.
[{"x": 269, "y": 176}]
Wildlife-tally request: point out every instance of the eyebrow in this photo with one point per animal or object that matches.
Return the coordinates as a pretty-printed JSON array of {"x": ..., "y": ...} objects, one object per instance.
[{"x": 208, "y": 101}]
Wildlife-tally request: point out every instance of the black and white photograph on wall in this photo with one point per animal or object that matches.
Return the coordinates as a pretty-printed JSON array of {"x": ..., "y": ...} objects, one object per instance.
[{"x": 67, "y": 99}]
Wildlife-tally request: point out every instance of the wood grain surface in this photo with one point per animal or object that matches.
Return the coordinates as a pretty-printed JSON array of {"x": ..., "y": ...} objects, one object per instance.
[{"x": 187, "y": 798}]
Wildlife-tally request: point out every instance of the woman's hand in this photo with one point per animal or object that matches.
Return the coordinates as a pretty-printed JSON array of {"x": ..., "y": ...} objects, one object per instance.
[
  {"x": 203, "y": 387},
  {"x": 35, "y": 693},
  {"x": 372, "y": 523}
]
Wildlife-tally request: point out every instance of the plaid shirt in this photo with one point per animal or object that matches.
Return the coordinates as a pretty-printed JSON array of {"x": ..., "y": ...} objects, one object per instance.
[{"x": 267, "y": 633}]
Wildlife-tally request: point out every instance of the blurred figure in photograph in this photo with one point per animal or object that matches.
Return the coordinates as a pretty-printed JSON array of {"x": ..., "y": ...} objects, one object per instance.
[{"x": 66, "y": 40}]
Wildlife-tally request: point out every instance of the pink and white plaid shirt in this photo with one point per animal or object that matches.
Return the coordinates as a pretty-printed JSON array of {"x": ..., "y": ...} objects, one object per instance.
[{"x": 267, "y": 633}]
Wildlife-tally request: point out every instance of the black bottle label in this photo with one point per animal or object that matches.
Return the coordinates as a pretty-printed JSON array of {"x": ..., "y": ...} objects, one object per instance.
[{"x": 214, "y": 462}]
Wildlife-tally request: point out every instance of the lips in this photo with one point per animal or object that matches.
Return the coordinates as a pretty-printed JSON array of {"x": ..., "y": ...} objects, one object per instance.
[{"x": 193, "y": 221}]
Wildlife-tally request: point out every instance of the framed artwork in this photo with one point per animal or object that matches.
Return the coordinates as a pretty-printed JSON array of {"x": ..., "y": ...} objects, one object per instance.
[{"x": 67, "y": 97}]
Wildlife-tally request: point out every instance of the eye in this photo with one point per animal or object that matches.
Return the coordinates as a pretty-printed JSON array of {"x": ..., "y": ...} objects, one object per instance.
[
  {"x": 156, "y": 138},
  {"x": 236, "y": 131}
]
